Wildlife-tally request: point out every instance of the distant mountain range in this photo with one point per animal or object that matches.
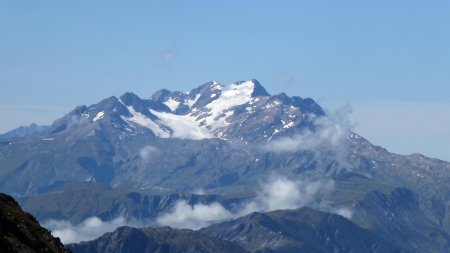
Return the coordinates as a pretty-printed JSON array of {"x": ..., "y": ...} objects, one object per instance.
[
  {"x": 23, "y": 131},
  {"x": 301, "y": 230},
  {"x": 138, "y": 158},
  {"x": 149, "y": 240}
]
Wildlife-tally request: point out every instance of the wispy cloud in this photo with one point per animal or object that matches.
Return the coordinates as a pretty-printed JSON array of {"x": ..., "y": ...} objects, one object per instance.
[
  {"x": 285, "y": 79},
  {"x": 165, "y": 58},
  {"x": 329, "y": 132},
  {"x": 328, "y": 137},
  {"x": 146, "y": 152}
]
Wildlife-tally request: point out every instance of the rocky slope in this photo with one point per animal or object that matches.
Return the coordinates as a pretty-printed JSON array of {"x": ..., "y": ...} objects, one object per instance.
[
  {"x": 21, "y": 232},
  {"x": 301, "y": 230},
  {"x": 74, "y": 202},
  {"x": 398, "y": 217}
]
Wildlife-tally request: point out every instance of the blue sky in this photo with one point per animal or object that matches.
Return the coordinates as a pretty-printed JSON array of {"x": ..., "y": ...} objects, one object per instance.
[{"x": 389, "y": 59}]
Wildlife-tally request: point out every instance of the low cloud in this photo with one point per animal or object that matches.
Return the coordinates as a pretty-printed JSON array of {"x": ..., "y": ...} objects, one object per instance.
[
  {"x": 276, "y": 193},
  {"x": 328, "y": 136},
  {"x": 89, "y": 229},
  {"x": 329, "y": 132},
  {"x": 283, "y": 193},
  {"x": 199, "y": 191},
  {"x": 193, "y": 217},
  {"x": 146, "y": 152},
  {"x": 344, "y": 212},
  {"x": 326, "y": 206}
]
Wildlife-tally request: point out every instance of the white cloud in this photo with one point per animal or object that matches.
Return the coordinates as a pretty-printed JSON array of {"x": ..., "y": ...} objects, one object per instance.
[
  {"x": 89, "y": 229},
  {"x": 344, "y": 212},
  {"x": 199, "y": 191},
  {"x": 193, "y": 217},
  {"x": 329, "y": 133},
  {"x": 275, "y": 194},
  {"x": 146, "y": 152},
  {"x": 327, "y": 139},
  {"x": 283, "y": 193}
]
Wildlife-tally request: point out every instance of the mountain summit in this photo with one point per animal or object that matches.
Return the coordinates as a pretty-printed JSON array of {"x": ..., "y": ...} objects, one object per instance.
[{"x": 243, "y": 110}]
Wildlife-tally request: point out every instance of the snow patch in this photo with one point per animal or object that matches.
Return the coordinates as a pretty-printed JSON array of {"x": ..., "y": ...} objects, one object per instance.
[
  {"x": 99, "y": 115},
  {"x": 144, "y": 121},
  {"x": 183, "y": 126},
  {"x": 231, "y": 96},
  {"x": 172, "y": 104},
  {"x": 289, "y": 125},
  {"x": 191, "y": 102}
]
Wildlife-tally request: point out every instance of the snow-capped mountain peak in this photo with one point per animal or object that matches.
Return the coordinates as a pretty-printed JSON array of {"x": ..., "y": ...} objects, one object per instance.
[{"x": 241, "y": 110}]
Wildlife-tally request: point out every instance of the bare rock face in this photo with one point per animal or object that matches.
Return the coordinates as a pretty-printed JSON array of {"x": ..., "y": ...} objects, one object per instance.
[{"x": 20, "y": 231}]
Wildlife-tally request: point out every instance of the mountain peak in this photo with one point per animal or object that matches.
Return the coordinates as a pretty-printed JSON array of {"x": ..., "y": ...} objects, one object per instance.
[
  {"x": 242, "y": 110},
  {"x": 161, "y": 95},
  {"x": 258, "y": 89}
]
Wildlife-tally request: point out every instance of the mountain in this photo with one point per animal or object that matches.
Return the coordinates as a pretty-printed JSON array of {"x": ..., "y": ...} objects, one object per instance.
[
  {"x": 21, "y": 232},
  {"x": 158, "y": 240},
  {"x": 398, "y": 217},
  {"x": 107, "y": 141},
  {"x": 300, "y": 230},
  {"x": 216, "y": 141},
  {"x": 137, "y": 157},
  {"x": 76, "y": 201},
  {"x": 22, "y": 131},
  {"x": 209, "y": 111}
]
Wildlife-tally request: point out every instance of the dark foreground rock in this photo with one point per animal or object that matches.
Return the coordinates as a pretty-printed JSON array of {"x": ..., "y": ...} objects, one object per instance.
[{"x": 20, "y": 231}]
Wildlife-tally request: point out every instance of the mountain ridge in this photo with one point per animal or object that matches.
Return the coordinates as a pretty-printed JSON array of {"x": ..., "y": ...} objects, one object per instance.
[
  {"x": 225, "y": 109},
  {"x": 299, "y": 230},
  {"x": 178, "y": 143}
]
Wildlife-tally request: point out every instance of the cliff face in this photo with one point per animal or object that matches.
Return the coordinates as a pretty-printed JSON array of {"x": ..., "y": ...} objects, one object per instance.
[{"x": 21, "y": 232}]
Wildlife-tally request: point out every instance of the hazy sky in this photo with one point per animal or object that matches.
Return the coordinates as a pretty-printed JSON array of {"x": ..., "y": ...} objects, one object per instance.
[{"x": 389, "y": 59}]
